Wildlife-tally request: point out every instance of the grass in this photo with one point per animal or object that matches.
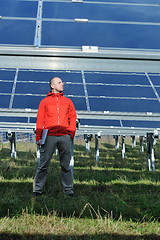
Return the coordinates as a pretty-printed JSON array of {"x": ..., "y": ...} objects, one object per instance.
[{"x": 115, "y": 199}]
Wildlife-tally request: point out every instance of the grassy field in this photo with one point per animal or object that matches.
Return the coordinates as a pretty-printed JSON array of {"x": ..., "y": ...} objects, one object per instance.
[{"x": 115, "y": 199}]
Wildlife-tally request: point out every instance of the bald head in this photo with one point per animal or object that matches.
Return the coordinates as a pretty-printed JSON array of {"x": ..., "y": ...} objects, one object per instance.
[{"x": 56, "y": 85}]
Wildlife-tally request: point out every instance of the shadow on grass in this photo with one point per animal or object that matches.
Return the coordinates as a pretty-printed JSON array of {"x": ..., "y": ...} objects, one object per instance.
[
  {"x": 133, "y": 201},
  {"x": 8, "y": 236},
  {"x": 118, "y": 190}
]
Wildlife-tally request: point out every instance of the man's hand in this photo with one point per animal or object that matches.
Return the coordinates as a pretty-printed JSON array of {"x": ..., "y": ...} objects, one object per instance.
[{"x": 39, "y": 142}]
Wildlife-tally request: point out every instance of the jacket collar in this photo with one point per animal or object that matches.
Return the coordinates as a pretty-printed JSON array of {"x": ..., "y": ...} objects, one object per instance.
[{"x": 55, "y": 94}]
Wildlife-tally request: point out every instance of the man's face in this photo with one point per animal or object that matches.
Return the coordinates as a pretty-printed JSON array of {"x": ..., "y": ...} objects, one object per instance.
[{"x": 57, "y": 85}]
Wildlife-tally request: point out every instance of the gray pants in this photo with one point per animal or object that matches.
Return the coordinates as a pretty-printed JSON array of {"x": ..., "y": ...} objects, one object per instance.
[{"x": 63, "y": 143}]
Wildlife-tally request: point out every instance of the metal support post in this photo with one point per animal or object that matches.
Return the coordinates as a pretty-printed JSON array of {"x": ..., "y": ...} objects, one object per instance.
[
  {"x": 123, "y": 147},
  {"x": 87, "y": 138},
  {"x": 116, "y": 141},
  {"x": 150, "y": 151},
  {"x": 38, "y": 154},
  {"x": 72, "y": 157},
  {"x": 141, "y": 144},
  {"x": 87, "y": 146},
  {"x": 133, "y": 141},
  {"x": 97, "y": 136},
  {"x": 56, "y": 151},
  {"x": 153, "y": 159},
  {"x": 12, "y": 138}
]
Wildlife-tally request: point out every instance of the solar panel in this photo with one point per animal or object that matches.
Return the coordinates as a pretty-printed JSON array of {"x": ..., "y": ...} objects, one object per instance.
[
  {"x": 106, "y": 53},
  {"x": 111, "y": 25},
  {"x": 132, "y": 36},
  {"x": 15, "y": 32},
  {"x": 67, "y": 10},
  {"x": 17, "y": 8},
  {"x": 116, "y": 24},
  {"x": 22, "y": 89},
  {"x": 124, "y": 1}
]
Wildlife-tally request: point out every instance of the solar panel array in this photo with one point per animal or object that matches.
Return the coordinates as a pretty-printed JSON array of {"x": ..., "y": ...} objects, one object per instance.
[
  {"x": 90, "y": 91},
  {"x": 48, "y": 23},
  {"x": 105, "y": 25}
]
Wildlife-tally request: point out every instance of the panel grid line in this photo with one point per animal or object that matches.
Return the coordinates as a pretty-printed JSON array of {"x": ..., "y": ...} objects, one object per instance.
[
  {"x": 121, "y": 123},
  {"x": 155, "y": 91},
  {"x": 37, "y": 41},
  {"x": 85, "y": 91},
  {"x": 70, "y": 20},
  {"x": 119, "y": 85},
  {"x": 132, "y": 98},
  {"x": 13, "y": 89}
]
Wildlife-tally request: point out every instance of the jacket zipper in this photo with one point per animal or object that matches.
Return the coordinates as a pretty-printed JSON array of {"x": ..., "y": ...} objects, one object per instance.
[{"x": 58, "y": 111}]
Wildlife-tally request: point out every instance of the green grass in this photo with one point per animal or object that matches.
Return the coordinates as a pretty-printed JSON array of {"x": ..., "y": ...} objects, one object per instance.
[{"x": 115, "y": 199}]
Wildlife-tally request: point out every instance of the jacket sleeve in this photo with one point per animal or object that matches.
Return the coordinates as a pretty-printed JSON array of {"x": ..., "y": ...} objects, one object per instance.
[
  {"x": 72, "y": 119},
  {"x": 40, "y": 120}
]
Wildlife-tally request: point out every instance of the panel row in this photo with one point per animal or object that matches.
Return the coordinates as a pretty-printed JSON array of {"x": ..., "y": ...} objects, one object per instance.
[
  {"x": 103, "y": 91},
  {"x": 111, "y": 25},
  {"x": 69, "y": 10},
  {"x": 94, "y": 122},
  {"x": 78, "y": 90},
  {"x": 123, "y": 12},
  {"x": 99, "y": 78},
  {"x": 139, "y": 2},
  {"x": 69, "y": 34},
  {"x": 95, "y": 104}
]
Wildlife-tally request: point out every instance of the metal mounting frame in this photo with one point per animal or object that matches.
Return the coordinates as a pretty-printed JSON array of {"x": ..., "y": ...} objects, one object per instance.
[
  {"x": 137, "y": 116},
  {"x": 83, "y": 129},
  {"x": 121, "y": 60}
]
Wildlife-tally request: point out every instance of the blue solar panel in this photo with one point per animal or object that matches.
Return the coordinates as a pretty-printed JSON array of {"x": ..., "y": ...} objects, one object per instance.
[
  {"x": 126, "y": 24},
  {"x": 118, "y": 91},
  {"x": 124, "y": 105},
  {"x": 13, "y": 119},
  {"x": 18, "y": 8},
  {"x": 157, "y": 2},
  {"x": 45, "y": 76},
  {"x": 101, "y": 35},
  {"x": 43, "y": 88},
  {"x": 74, "y": 89},
  {"x": 31, "y": 88},
  {"x": 7, "y": 75},
  {"x": 26, "y": 101},
  {"x": 96, "y": 122},
  {"x": 113, "y": 78},
  {"x": 122, "y": 12},
  {"x": 17, "y": 32},
  {"x": 158, "y": 90},
  {"x": 112, "y": 92},
  {"x": 79, "y": 103},
  {"x": 142, "y": 124},
  {"x": 4, "y": 101},
  {"x": 32, "y": 101},
  {"x": 116, "y": 24},
  {"x": 122, "y": 92},
  {"x": 155, "y": 79},
  {"x": 6, "y": 87}
]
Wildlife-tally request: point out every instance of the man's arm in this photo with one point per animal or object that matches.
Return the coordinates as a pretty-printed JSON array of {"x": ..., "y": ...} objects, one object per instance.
[
  {"x": 40, "y": 122},
  {"x": 72, "y": 119}
]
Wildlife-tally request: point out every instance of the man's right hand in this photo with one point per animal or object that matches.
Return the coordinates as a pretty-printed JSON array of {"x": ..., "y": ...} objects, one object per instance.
[{"x": 39, "y": 142}]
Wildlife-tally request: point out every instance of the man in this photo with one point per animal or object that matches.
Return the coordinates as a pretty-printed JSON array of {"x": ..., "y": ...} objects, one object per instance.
[{"x": 57, "y": 114}]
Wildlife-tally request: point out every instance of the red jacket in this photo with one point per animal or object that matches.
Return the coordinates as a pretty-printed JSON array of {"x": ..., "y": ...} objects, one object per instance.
[{"x": 57, "y": 114}]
